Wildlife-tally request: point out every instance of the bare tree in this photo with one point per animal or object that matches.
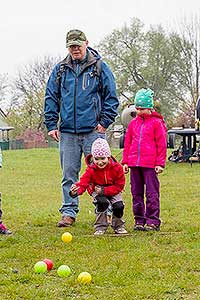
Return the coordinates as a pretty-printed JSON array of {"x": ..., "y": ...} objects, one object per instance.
[
  {"x": 29, "y": 86},
  {"x": 188, "y": 68},
  {"x": 4, "y": 90},
  {"x": 191, "y": 33}
]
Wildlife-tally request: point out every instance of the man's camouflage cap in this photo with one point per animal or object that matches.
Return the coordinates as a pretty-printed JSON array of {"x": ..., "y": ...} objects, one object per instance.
[{"x": 75, "y": 37}]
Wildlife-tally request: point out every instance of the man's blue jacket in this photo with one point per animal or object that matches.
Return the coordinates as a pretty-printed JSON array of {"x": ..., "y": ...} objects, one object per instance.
[{"x": 81, "y": 104}]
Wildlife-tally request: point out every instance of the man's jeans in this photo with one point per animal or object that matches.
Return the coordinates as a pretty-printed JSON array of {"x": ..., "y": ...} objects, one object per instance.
[{"x": 72, "y": 146}]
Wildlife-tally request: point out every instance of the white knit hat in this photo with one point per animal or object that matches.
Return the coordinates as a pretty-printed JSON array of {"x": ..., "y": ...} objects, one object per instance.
[{"x": 100, "y": 148}]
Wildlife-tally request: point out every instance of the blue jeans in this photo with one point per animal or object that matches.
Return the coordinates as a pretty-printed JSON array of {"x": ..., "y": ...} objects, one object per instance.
[{"x": 72, "y": 146}]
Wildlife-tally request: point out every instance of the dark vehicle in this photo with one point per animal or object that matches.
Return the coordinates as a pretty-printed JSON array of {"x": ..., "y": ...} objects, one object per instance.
[
  {"x": 188, "y": 145},
  {"x": 188, "y": 151}
]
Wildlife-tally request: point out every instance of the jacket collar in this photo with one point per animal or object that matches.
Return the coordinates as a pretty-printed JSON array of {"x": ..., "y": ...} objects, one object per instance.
[
  {"x": 91, "y": 57},
  {"x": 89, "y": 161},
  {"x": 154, "y": 114}
]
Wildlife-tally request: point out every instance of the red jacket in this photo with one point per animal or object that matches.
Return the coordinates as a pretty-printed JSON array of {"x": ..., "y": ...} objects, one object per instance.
[
  {"x": 111, "y": 178},
  {"x": 145, "y": 141}
]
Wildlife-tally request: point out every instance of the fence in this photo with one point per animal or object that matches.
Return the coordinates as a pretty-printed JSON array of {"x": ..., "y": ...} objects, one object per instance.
[
  {"x": 5, "y": 145},
  {"x": 21, "y": 144},
  {"x": 113, "y": 140}
]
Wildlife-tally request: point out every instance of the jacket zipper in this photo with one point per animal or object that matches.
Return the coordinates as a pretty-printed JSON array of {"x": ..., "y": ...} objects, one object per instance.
[
  {"x": 76, "y": 83},
  {"x": 106, "y": 181},
  {"x": 140, "y": 137}
]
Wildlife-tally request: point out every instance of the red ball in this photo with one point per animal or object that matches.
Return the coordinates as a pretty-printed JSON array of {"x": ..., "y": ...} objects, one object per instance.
[{"x": 49, "y": 264}]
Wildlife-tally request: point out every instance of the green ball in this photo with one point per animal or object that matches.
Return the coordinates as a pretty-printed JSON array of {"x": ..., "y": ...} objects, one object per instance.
[
  {"x": 40, "y": 267},
  {"x": 64, "y": 271}
]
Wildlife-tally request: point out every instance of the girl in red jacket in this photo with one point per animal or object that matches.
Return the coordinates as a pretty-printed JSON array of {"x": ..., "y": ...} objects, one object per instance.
[
  {"x": 104, "y": 180},
  {"x": 145, "y": 154}
]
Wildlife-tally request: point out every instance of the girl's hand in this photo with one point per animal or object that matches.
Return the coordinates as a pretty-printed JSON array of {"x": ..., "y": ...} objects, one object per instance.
[
  {"x": 125, "y": 168},
  {"x": 73, "y": 189},
  {"x": 159, "y": 169},
  {"x": 98, "y": 189}
]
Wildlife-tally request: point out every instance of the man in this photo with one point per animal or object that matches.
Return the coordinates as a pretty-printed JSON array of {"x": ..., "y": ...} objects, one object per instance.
[{"x": 85, "y": 103}]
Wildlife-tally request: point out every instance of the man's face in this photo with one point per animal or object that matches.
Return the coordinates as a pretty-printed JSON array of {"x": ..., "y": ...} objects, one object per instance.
[
  {"x": 101, "y": 162},
  {"x": 78, "y": 52}
]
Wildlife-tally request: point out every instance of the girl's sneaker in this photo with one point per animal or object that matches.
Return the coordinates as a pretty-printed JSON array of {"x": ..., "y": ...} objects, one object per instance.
[
  {"x": 139, "y": 227},
  {"x": 152, "y": 227},
  {"x": 121, "y": 230},
  {"x": 4, "y": 230},
  {"x": 99, "y": 232}
]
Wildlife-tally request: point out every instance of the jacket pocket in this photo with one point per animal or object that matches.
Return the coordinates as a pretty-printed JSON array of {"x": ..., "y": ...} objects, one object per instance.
[{"x": 88, "y": 81}]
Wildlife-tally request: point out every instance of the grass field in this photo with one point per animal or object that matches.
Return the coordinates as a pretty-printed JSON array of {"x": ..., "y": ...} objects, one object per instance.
[{"x": 162, "y": 265}]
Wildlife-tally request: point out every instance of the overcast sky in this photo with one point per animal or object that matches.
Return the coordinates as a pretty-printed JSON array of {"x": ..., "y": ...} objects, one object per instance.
[{"x": 33, "y": 28}]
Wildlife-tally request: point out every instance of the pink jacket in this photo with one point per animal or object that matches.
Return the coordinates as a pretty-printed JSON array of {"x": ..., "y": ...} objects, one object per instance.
[{"x": 145, "y": 142}]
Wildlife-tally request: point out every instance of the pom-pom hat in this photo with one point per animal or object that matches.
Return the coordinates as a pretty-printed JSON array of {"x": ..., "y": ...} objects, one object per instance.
[{"x": 100, "y": 148}]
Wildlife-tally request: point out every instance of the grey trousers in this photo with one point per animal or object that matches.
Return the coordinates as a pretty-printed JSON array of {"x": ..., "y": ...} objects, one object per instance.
[{"x": 103, "y": 218}]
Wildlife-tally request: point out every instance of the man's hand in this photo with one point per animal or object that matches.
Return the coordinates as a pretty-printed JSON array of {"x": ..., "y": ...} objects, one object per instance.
[
  {"x": 54, "y": 134},
  {"x": 100, "y": 128},
  {"x": 159, "y": 169},
  {"x": 125, "y": 168}
]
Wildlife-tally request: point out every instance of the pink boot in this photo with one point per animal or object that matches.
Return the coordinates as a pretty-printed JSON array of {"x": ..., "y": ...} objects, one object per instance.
[{"x": 4, "y": 230}]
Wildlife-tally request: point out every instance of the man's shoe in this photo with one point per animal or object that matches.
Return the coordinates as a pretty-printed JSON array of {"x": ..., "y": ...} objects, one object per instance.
[
  {"x": 4, "y": 230},
  {"x": 66, "y": 221}
]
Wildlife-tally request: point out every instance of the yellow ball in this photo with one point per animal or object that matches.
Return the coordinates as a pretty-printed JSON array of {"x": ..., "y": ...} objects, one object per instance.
[
  {"x": 66, "y": 237},
  {"x": 84, "y": 277}
]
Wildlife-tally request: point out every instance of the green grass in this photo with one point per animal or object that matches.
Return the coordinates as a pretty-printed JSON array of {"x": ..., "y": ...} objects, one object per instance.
[{"x": 162, "y": 265}]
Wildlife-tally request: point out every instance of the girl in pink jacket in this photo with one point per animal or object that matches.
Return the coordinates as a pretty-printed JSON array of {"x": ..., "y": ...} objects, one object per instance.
[{"x": 144, "y": 153}]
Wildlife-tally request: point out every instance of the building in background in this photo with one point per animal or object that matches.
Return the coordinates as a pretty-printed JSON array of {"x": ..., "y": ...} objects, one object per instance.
[{"x": 4, "y": 131}]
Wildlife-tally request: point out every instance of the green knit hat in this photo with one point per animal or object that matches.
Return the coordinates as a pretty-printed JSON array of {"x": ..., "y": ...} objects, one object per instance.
[{"x": 144, "y": 98}]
